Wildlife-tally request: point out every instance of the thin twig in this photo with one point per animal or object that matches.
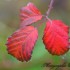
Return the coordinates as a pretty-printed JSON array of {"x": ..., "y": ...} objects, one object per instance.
[
  {"x": 50, "y": 7},
  {"x": 47, "y": 13}
]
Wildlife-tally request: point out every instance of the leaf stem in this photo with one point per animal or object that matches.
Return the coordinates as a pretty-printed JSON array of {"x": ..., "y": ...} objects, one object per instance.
[{"x": 49, "y": 19}]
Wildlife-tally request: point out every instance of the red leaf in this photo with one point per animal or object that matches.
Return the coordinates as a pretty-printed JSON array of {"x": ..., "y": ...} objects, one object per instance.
[
  {"x": 56, "y": 37},
  {"x": 29, "y": 14},
  {"x": 21, "y": 43}
]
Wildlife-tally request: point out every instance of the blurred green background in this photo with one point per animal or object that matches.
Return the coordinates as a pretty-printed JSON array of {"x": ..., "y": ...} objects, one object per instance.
[{"x": 9, "y": 22}]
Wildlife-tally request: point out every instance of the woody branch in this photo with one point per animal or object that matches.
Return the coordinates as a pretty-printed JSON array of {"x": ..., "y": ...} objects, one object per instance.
[{"x": 50, "y": 7}]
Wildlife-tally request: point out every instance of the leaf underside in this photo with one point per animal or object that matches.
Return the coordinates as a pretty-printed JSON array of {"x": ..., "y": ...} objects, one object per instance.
[{"x": 29, "y": 14}]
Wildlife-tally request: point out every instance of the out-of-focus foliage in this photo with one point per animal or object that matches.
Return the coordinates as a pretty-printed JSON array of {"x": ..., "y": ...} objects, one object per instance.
[{"x": 9, "y": 22}]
